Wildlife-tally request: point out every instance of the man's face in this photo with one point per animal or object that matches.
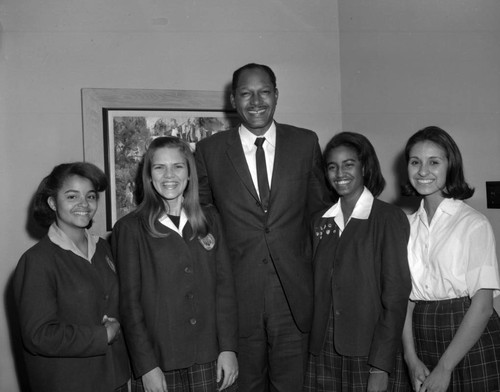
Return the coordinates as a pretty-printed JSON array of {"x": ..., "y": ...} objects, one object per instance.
[{"x": 255, "y": 100}]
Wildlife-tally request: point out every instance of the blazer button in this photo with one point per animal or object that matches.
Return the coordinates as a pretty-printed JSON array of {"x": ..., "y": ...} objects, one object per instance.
[
  {"x": 188, "y": 270},
  {"x": 192, "y": 321},
  {"x": 189, "y": 295},
  {"x": 264, "y": 261}
]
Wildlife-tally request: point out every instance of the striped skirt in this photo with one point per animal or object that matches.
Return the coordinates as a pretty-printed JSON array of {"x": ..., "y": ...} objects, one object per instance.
[
  {"x": 434, "y": 326},
  {"x": 332, "y": 372}
]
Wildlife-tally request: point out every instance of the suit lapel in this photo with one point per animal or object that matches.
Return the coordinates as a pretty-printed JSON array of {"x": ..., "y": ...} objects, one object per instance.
[{"x": 237, "y": 157}]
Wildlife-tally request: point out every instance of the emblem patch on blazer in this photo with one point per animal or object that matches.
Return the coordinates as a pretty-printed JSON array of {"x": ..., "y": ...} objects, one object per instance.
[
  {"x": 325, "y": 229},
  {"x": 208, "y": 242},
  {"x": 111, "y": 264}
]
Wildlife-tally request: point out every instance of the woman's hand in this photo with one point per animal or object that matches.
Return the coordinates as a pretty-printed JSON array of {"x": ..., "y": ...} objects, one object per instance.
[
  {"x": 418, "y": 373},
  {"x": 378, "y": 381},
  {"x": 227, "y": 369},
  {"x": 437, "y": 381},
  {"x": 112, "y": 328},
  {"x": 154, "y": 381}
]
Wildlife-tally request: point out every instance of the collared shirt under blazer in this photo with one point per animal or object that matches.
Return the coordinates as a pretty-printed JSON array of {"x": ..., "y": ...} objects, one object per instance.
[
  {"x": 364, "y": 276},
  {"x": 177, "y": 298}
]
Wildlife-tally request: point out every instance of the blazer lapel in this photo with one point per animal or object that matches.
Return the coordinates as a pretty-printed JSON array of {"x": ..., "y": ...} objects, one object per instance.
[{"x": 237, "y": 157}]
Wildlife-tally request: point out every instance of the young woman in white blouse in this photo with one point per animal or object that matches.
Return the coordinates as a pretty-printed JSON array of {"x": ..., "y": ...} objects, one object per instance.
[{"x": 452, "y": 332}]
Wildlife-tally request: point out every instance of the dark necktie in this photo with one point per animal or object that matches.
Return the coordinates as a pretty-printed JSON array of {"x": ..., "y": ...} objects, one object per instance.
[{"x": 262, "y": 180}]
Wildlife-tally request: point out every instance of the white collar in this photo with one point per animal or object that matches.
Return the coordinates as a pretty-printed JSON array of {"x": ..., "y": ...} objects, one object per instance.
[
  {"x": 166, "y": 221},
  {"x": 248, "y": 138},
  {"x": 447, "y": 206},
  {"x": 61, "y": 239},
  {"x": 361, "y": 210}
]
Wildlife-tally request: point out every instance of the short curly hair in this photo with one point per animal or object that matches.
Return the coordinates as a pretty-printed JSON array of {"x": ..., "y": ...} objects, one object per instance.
[
  {"x": 51, "y": 184},
  {"x": 262, "y": 67}
]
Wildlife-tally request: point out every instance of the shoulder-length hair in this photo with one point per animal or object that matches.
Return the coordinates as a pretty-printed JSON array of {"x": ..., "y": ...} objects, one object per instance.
[
  {"x": 152, "y": 206},
  {"x": 50, "y": 186},
  {"x": 372, "y": 177},
  {"x": 456, "y": 187}
]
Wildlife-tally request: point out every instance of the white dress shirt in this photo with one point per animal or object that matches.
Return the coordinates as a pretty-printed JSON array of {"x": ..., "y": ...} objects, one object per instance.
[
  {"x": 453, "y": 256},
  {"x": 249, "y": 148}
]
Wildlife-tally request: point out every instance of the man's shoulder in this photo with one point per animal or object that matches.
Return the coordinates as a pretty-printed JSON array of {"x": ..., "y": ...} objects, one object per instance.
[{"x": 299, "y": 132}]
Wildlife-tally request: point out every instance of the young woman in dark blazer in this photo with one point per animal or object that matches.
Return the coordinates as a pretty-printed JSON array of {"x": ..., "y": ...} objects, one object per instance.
[
  {"x": 66, "y": 290},
  {"x": 361, "y": 278},
  {"x": 177, "y": 299}
]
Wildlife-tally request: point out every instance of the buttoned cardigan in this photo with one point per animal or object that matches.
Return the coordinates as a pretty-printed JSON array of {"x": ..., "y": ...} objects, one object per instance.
[
  {"x": 363, "y": 277},
  {"x": 61, "y": 300},
  {"x": 177, "y": 301}
]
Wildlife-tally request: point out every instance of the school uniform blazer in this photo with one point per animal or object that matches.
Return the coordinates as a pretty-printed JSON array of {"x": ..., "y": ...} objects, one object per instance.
[
  {"x": 253, "y": 237},
  {"x": 364, "y": 275},
  {"x": 177, "y": 299},
  {"x": 61, "y": 299}
]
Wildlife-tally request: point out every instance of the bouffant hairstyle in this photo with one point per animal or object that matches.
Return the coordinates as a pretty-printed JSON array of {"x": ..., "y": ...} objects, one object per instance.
[
  {"x": 152, "y": 206},
  {"x": 262, "y": 67},
  {"x": 51, "y": 184},
  {"x": 372, "y": 178},
  {"x": 456, "y": 187}
]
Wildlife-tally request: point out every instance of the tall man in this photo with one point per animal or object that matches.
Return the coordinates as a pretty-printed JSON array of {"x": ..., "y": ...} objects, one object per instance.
[{"x": 265, "y": 191}]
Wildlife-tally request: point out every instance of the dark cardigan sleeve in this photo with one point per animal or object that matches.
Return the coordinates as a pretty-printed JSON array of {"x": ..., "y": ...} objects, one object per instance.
[
  {"x": 395, "y": 288},
  {"x": 125, "y": 244},
  {"x": 226, "y": 305},
  {"x": 37, "y": 284}
]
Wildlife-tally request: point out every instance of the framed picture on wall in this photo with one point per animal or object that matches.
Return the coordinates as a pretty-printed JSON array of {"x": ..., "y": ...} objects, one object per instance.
[
  {"x": 128, "y": 134},
  {"x": 119, "y": 124}
]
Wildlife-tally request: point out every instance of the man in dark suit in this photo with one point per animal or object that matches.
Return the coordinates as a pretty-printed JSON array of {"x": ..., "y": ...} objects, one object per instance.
[{"x": 265, "y": 202}]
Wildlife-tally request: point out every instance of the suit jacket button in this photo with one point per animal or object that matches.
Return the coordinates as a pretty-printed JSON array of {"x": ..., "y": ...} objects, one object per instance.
[
  {"x": 192, "y": 321},
  {"x": 188, "y": 270},
  {"x": 264, "y": 261}
]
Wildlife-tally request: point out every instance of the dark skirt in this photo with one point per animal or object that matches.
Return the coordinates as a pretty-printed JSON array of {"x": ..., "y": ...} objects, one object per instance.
[
  {"x": 331, "y": 372},
  {"x": 197, "y": 378},
  {"x": 434, "y": 326}
]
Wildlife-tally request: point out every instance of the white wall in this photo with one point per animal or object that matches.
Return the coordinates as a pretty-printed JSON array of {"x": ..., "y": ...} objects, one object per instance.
[
  {"x": 409, "y": 64},
  {"x": 51, "y": 49}
]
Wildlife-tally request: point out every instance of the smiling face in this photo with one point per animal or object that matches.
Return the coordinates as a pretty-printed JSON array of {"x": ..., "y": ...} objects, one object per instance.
[
  {"x": 170, "y": 176},
  {"x": 345, "y": 172},
  {"x": 255, "y": 100},
  {"x": 75, "y": 204},
  {"x": 427, "y": 169}
]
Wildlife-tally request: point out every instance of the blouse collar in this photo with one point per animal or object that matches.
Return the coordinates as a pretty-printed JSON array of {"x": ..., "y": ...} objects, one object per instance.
[
  {"x": 361, "y": 210},
  {"x": 61, "y": 239},
  {"x": 166, "y": 221}
]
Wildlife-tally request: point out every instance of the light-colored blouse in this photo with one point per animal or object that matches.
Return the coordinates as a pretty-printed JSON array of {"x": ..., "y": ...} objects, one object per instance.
[{"x": 453, "y": 256}]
